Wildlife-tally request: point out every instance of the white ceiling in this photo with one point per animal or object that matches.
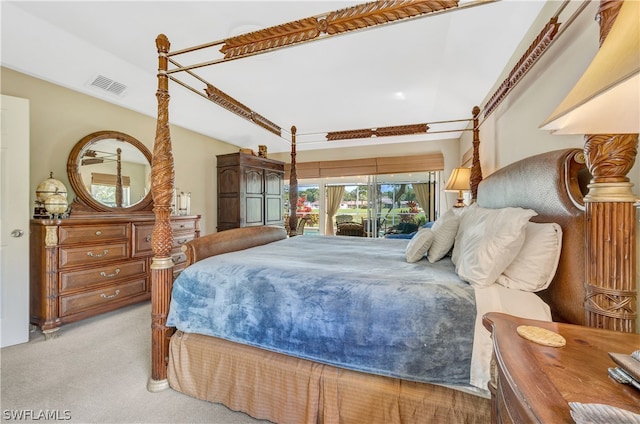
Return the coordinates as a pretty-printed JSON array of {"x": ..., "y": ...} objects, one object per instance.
[{"x": 424, "y": 70}]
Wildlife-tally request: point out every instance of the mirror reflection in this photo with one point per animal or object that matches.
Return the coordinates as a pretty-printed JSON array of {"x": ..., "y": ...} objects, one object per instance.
[
  {"x": 115, "y": 173},
  {"x": 110, "y": 171}
]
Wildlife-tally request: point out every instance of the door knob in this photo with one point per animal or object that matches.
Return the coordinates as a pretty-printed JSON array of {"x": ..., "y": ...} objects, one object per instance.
[{"x": 17, "y": 233}]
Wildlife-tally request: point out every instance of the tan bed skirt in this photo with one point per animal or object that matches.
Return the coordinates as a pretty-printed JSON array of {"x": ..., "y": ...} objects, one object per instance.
[{"x": 283, "y": 389}]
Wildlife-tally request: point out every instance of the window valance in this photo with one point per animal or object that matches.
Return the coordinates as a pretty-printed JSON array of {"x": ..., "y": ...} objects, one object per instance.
[
  {"x": 108, "y": 179},
  {"x": 368, "y": 166}
]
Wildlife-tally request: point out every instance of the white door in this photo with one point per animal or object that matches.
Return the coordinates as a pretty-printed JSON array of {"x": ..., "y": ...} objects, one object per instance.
[{"x": 14, "y": 220}]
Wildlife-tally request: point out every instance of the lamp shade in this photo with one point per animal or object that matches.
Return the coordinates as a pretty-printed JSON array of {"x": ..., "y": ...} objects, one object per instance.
[
  {"x": 606, "y": 99},
  {"x": 459, "y": 180}
]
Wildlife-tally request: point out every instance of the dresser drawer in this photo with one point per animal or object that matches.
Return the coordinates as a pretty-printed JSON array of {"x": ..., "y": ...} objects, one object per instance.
[
  {"x": 92, "y": 233},
  {"x": 86, "y": 255},
  {"x": 142, "y": 240},
  {"x": 101, "y": 275},
  {"x": 183, "y": 231},
  {"x": 178, "y": 256},
  {"x": 180, "y": 239},
  {"x": 96, "y": 298},
  {"x": 186, "y": 225}
]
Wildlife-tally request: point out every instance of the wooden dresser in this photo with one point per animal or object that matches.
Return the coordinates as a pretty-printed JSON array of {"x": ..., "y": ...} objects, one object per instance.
[
  {"x": 532, "y": 383},
  {"x": 84, "y": 266},
  {"x": 250, "y": 191}
]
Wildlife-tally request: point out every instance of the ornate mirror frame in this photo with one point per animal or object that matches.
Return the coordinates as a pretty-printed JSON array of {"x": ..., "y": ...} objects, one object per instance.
[{"x": 84, "y": 202}]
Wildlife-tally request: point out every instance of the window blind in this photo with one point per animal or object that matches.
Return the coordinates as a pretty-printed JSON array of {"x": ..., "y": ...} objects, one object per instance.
[
  {"x": 108, "y": 179},
  {"x": 369, "y": 166}
]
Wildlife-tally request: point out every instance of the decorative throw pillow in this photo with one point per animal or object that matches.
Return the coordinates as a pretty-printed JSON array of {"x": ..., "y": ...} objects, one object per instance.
[
  {"x": 491, "y": 239},
  {"x": 535, "y": 266},
  {"x": 472, "y": 215},
  {"x": 419, "y": 244},
  {"x": 444, "y": 234}
]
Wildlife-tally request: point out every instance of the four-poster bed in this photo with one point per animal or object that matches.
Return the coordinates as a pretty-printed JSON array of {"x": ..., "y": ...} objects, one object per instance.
[
  {"x": 282, "y": 388},
  {"x": 274, "y": 385}
]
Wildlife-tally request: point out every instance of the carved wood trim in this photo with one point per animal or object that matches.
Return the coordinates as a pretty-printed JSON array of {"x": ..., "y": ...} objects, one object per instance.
[
  {"x": 333, "y": 23},
  {"x": 611, "y": 256},
  {"x": 610, "y": 300},
  {"x": 263, "y": 122},
  {"x": 350, "y": 134},
  {"x": 349, "y": 19},
  {"x": 381, "y": 12},
  {"x": 476, "y": 168},
  {"x": 162, "y": 183},
  {"x": 51, "y": 236},
  {"x": 293, "y": 187},
  {"x": 378, "y": 132},
  {"x": 606, "y": 16},
  {"x": 527, "y": 60},
  {"x": 269, "y": 38},
  {"x": 226, "y": 101},
  {"x": 232, "y": 105},
  {"x": 610, "y": 291},
  {"x": 610, "y": 157}
]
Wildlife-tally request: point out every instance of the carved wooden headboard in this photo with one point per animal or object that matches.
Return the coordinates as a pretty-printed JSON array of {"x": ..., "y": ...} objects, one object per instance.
[{"x": 553, "y": 184}]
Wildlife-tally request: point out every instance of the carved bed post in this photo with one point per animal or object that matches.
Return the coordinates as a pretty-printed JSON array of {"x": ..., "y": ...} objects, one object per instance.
[
  {"x": 118, "y": 177},
  {"x": 293, "y": 187},
  {"x": 476, "y": 169},
  {"x": 610, "y": 220},
  {"x": 162, "y": 178}
]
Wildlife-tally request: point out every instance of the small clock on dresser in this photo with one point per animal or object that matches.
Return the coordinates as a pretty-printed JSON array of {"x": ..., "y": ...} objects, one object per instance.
[{"x": 98, "y": 259}]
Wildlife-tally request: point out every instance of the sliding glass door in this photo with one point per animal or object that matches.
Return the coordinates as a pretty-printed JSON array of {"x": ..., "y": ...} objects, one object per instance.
[{"x": 381, "y": 203}]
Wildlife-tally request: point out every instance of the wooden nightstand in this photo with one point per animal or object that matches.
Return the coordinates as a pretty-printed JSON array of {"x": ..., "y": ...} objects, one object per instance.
[{"x": 532, "y": 383}]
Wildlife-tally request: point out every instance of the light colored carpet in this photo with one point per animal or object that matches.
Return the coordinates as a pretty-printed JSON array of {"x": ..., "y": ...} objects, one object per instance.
[{"x": 96, "y": 371}]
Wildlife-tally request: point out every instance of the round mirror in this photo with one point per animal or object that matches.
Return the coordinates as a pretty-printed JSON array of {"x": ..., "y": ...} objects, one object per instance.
[{"x": 110, "y": 171}]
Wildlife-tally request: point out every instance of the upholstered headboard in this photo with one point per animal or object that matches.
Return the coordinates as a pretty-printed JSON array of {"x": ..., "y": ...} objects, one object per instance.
[{"x": 553, "y": 184}]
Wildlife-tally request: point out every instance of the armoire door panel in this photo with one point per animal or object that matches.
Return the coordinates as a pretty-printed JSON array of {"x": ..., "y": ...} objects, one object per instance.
[
  {"x": 228, "y": 181},
  {"x": 254, "y": 211},
  {"x": 253, "y": 181}
]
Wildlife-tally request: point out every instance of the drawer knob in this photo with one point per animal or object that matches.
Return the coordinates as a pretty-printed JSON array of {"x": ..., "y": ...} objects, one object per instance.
[
  {"x": 147, "y": 239},
  {"x": 110, "y": 296},
  {"x": 104, "y": 274},
  {"x": 98, "y": 233},
  {"x": 183, "y": 241},
  {"x": 98, "y": 255}
]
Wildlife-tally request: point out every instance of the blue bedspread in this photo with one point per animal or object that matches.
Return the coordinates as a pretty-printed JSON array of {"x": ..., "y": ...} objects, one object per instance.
[{"x": 345, "y": 301}]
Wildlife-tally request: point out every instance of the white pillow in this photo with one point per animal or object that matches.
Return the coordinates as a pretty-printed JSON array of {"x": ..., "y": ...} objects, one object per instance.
[
  {"x": 535, "y": 266},
  {"x": 491, "y": 239},
  {"x": 444, "y": 234},
  {"x": 471, "y": 215},
  {"x": 419, "y": 244}
]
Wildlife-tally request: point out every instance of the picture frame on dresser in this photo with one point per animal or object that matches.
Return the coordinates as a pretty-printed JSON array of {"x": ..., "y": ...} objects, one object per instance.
[{"x": 98, "y": 259}]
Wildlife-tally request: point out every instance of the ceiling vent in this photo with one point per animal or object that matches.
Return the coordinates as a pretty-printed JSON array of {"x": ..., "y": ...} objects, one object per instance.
[{"x": 109, "y": 85}]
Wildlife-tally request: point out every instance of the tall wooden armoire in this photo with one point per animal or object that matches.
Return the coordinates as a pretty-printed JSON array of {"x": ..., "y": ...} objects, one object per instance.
[{"x": 250, "y": 191}]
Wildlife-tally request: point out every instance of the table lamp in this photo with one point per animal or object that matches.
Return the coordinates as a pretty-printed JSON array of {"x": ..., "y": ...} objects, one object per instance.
[{"x": 459, "y": 181}]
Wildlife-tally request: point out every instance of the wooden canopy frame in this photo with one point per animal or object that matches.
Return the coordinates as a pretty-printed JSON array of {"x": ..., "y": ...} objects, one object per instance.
[
  {"x": 611, "y": 298},
  {"x": 162, "y": 173}
]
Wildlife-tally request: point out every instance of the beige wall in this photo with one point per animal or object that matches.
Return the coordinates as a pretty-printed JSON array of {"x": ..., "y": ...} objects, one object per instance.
[{"x": 59, "y": 118}]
